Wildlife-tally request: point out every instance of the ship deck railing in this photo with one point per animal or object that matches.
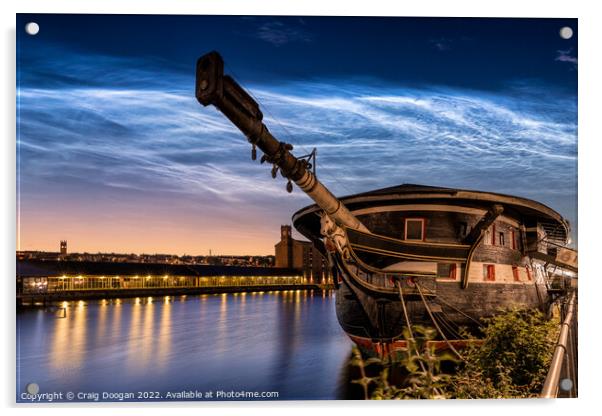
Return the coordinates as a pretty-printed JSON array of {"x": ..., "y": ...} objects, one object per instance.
[{"x": 561, "y": 379}]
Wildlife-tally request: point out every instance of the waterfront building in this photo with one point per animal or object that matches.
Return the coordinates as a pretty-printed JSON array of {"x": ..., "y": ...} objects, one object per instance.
[
  {"x": 79, "y": 279},
  {"x": 301, "y": 255}
]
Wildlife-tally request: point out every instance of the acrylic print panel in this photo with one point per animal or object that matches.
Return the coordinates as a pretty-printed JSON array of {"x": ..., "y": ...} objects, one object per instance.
[{"x": 158, "y": 260}]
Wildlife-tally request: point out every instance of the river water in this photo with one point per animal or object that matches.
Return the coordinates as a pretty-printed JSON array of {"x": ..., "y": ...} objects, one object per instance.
[{"x": 172, "y": 347}]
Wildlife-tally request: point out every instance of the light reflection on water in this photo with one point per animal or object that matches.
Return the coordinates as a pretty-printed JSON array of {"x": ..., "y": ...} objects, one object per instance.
[{"x": 288, "y": 342}]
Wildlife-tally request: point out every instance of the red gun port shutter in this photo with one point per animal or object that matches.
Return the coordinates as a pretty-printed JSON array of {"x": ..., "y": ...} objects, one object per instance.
[
  {"x": 452, "y": 271},
  {"x": 489, "y": 272},
  {"x": 515, "y": 273}
]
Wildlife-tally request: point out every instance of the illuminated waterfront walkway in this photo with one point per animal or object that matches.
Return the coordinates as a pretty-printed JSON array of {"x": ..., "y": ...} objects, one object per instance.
[{"x": 44, "y": 281}]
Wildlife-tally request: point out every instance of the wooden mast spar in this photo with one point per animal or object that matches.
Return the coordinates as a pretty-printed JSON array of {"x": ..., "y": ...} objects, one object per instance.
[{"x": 215, "y": 88}]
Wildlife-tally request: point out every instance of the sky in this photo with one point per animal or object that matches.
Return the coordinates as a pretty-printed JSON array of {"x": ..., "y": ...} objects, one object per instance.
[{"x": 114, "y": 153}]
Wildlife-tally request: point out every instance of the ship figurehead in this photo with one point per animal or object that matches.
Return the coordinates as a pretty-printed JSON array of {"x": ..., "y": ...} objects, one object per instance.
[{"x": 335, "y": 239}]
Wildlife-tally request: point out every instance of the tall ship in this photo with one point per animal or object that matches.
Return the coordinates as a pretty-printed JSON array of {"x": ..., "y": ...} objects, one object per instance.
[{"x": 410, "y": 254}]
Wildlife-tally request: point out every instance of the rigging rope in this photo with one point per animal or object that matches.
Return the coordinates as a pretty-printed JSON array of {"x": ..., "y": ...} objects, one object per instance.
[
  {"x": 405, "y": 311},
  {"x": 409, "y": 326},
  {"x": 449, "y": 344},
  {"x": 447, "y": 325},
  {"x": 439, "y": 299}
]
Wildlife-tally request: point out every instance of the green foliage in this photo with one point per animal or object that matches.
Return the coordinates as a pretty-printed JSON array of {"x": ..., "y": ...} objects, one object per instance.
[
  {"x": 511, "y": 362},
  {"x": 424, "y": 379},
  {"x": 513, "y": 359}
]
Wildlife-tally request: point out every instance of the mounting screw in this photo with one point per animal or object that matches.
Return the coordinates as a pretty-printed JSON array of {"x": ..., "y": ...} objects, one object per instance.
[
  {"x": 566, "y": 384},
  {"x": 566, "y": 32},
  {"x": 32, "y": 388},
  {"x": 32, "y": 28}
]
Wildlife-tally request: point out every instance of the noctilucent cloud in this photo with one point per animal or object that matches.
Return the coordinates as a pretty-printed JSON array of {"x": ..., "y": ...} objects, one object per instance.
[{"x": 115, "y": 154}]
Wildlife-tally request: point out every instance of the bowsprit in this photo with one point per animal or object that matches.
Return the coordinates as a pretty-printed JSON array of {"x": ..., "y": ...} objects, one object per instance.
[{"x": 410, "y": 254}]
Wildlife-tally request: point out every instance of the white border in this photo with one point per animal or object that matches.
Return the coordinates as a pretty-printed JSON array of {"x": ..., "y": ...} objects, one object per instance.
[{"x": 589, "y": 135}]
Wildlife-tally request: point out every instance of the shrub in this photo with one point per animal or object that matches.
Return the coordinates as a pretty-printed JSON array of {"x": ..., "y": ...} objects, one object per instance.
[
  {"x": 513, "y": 359},
  {"x": 511, "y": 362}
]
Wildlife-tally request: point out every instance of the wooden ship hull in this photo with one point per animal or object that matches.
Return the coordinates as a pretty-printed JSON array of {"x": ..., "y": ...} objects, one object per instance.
[{"x": 454, "y": 256}]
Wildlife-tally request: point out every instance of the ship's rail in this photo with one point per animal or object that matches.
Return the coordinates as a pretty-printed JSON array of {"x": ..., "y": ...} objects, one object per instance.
[
  {"x": 563, "y": 359},
  {"x": 386, "y": 282}
]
